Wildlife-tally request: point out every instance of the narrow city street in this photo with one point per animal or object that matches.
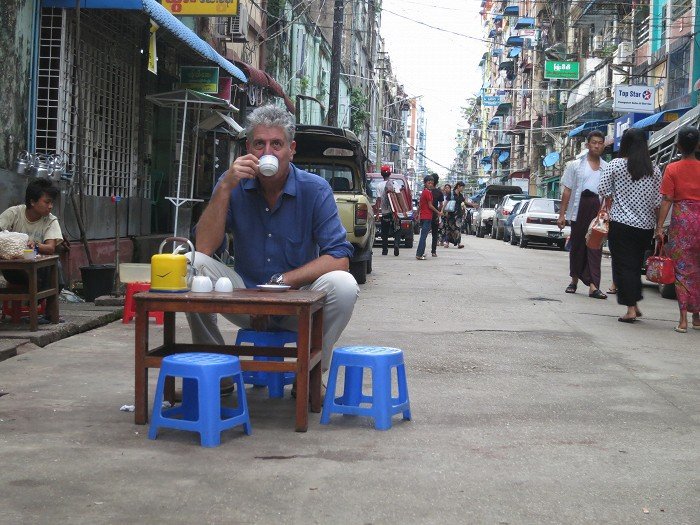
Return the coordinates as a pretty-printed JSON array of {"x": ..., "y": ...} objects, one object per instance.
[{"x": 528, "y": 405}]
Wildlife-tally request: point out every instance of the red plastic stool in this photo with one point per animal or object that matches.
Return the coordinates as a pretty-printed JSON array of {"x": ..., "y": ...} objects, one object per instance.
[
  {"x": 14, "y": 310},
  {"x": 129, "y": 306}
]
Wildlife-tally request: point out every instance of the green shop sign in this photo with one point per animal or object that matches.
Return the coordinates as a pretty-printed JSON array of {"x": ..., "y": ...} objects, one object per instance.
[
  {"x": 202, "y": 79},
  {"x": 554, "y": 69}
]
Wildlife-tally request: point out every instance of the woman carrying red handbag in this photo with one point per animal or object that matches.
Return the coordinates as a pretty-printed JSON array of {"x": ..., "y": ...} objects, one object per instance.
[
  {"x": 633, "y": 182},
  {"x": 681, "y": 187}
]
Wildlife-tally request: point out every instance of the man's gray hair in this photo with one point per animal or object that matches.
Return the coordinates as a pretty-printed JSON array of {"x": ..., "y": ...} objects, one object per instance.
[{"x": 271, "y": 117}]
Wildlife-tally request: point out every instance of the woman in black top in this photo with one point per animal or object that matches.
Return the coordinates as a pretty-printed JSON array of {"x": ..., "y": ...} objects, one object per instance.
[{"x": 453, "y": 222}]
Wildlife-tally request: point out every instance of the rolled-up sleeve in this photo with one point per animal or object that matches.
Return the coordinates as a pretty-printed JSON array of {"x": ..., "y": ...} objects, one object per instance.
[{"x": 329, "y": 233}]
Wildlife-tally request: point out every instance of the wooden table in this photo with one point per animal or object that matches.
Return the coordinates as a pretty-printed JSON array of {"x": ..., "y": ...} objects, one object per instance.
[
  {"x": 32, "y": 294},
  {"x": 306, "y": 305}
]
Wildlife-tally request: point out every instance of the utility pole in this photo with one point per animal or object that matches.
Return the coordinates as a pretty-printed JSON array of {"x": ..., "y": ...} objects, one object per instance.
[
  {"x": 338, "y": 13},
  {"x": 380, "y": 111}
]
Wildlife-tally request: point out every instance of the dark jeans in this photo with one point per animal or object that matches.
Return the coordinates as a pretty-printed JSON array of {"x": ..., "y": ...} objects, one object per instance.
[
  {"x": 627, "y": 246},
  {"x": 425, "y": 225},
  {"x": 387, "y": 230},
  {"x": 435, "y": 231}
]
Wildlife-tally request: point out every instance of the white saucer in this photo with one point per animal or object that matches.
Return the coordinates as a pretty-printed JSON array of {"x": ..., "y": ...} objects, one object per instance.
[{"x": 274, "y": 287}]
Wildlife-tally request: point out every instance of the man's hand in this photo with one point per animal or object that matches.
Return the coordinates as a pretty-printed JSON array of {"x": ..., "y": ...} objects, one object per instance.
[
  {"x": 561, "y": 222},
  {"x": 244, "y": 167}
]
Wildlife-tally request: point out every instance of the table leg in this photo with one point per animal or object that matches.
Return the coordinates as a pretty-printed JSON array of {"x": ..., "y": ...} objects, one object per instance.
[
  {"x": 141, "y": 372},
  {"x": 303, "y": 354},
  {"x": 52, "y": 300},
  {"x": 316, "y": 371},
  {"x": 33, "y": 304}
]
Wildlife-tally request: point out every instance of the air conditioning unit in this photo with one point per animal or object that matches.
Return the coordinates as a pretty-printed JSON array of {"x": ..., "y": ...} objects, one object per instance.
[
  {"x": 598, "y": 43},
  {"x": 623, "y": 54},
  {"x": 233, "y": 28}
]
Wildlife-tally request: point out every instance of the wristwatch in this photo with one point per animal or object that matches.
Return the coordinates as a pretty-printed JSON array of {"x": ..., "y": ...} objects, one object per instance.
[{"x": 277, "y": 278}]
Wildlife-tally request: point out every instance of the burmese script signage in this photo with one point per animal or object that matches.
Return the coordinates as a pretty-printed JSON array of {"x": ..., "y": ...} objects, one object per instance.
[
  {"x": 202, "y": 79},
  {"x": 201, "y": 7},
  {"x": 557, "y": 69}
]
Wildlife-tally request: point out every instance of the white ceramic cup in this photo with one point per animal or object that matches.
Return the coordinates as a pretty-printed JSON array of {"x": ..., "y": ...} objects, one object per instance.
[
  {"x": 202, "y": 283},
  {"x": 268, "y": 165},
  {"x": 29, "y": 254},
  {"x": 223, "y": 284}
]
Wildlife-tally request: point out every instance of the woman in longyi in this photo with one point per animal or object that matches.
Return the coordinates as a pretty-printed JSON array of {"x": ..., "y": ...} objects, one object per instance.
[{"x": 681, "y": 187}]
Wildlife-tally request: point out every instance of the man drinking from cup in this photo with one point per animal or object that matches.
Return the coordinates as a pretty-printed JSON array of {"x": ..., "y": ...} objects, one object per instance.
[{"x": 286, "y": 231}]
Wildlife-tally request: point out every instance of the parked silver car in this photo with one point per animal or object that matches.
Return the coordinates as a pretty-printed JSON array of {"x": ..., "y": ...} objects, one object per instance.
[{"x": 502, "y": 211}]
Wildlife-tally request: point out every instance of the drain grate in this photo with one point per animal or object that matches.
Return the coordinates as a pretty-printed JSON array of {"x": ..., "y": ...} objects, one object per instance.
[{"x": 545, "y": 299}]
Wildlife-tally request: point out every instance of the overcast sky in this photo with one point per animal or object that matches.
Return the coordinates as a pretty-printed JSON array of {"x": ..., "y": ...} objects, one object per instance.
[{"x": 440, "y": 66}]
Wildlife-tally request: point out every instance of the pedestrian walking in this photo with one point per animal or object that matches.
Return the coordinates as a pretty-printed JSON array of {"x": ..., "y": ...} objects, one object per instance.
[
  {"x": 426, "y": 211},
  {"x": 580, "y": 203},
  {"x": 632, "y": 183},
  {"x": 680, "y": 187},
  {"x": 455, "y": 212},
  {"x": 446, "y": 198},
  {"x": 388, "y": 224},
  {"x": 438, "y": 199}
]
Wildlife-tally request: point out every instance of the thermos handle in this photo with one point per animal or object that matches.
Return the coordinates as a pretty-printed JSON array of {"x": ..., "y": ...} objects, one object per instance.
[{"x": 178, "y": 239}]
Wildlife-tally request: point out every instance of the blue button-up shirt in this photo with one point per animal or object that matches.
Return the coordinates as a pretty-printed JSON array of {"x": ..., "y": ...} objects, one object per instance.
[{"x": 303, "y": 224}]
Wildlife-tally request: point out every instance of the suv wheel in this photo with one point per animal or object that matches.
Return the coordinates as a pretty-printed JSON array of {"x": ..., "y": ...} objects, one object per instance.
[
  {"x": 358, "y": 270},
  {"x": 369, "y": 265},
  {"x": 522, "y": 239}
]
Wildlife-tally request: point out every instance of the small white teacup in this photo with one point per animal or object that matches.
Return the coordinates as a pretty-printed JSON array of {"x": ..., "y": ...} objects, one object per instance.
[
  {"x": 202, "y": 283},
  {"x": 223, "y": 284},
  {"x": 268, "y": 165}
]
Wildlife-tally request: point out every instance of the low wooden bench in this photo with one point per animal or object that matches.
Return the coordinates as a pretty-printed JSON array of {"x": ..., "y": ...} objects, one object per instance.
[{"x": 31, "y": 293}]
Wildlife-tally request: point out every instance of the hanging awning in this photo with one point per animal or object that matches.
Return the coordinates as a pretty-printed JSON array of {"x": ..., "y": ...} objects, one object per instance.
[
  {"x": 659, "y": 120},
  {"x": 492, "y": 33},
  {"x": 550, "y": 159},
  {"x": 507, "y": 64},
  {"x": 165, "y": 21},
  {"x": 220, "y": 123},
  {"x": 589, "y": 126},
  {"x": 497, "y": 17},
  {"x": 504, "y": 156},
  {"x": 494, "y": 121},
  {"x": 514, "y": 52},
  {"x": 497, "y": 51},
  {"x": 511, "y": 10},
  {"x": 525, "y": 23},
  {"x": 486, "y": 160},
  {"x": 264, "y": 79},
  {"x": 515, "y": 41},
  {"x": 522, "y": 174},
  {"x": 503, "y": 109}
]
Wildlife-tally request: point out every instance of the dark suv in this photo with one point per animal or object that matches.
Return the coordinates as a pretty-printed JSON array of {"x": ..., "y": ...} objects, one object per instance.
[{"x": 375, "y": 182}]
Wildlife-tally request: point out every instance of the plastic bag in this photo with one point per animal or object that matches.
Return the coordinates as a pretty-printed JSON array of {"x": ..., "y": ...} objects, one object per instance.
[
  {"x": 597, "y": 230},
  {"x": 12, "y": 244}
]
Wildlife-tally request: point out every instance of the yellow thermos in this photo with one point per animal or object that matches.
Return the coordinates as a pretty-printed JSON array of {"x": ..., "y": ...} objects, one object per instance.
[{"x": 169, "y": 270}]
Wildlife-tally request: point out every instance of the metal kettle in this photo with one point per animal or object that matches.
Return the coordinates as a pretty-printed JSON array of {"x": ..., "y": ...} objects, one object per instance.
[{"x": 169, "y": 272}]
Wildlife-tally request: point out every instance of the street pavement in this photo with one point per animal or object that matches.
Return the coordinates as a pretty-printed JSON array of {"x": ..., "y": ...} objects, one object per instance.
[{"x": 529, "y": 406}]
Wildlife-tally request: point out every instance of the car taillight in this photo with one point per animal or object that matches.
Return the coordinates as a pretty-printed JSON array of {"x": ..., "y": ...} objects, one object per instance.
[
  {"x": 361, "y": 213},
  {"x": 533, "y": 220}
]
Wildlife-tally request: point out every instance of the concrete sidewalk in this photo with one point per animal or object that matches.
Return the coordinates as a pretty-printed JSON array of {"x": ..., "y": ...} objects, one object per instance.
[
  {"x": 529, "y": 406},
  {"x": 75, "y": 318}
]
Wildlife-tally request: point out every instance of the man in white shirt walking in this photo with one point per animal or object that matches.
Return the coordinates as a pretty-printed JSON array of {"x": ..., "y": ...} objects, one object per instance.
[{"x": 580, "y": 204}]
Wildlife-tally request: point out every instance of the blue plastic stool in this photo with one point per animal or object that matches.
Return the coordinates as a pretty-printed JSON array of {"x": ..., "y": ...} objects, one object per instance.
[
  {"x": 274, "y": 381},
  {"x": 201, "y": 409},
  {"x": 382, "y": 406}
]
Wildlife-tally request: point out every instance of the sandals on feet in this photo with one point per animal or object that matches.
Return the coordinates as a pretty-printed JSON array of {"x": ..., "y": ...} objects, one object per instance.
[
  {"x": 612, "y": 291},
  {"x": 680, "y": 330},
  {"x": 571, "y": 288},
  {"x": 629, "y": 320},
  {"x": 597, "y": 295}
]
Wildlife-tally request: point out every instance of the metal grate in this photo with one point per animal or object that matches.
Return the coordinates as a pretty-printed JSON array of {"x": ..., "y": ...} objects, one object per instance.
[{"x": 108, "y": 98}]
